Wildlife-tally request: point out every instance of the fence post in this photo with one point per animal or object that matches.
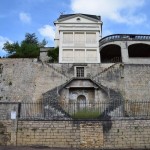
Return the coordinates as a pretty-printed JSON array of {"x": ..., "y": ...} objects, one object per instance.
[{"x": 14, "y": 125}]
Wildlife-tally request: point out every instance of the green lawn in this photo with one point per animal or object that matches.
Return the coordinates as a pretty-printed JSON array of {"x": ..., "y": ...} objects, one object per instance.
[{"x": 86, "y": 114}]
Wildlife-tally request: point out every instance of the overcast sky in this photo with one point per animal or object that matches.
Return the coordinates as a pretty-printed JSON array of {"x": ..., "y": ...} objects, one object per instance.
[{"x": 18, "y": 17}]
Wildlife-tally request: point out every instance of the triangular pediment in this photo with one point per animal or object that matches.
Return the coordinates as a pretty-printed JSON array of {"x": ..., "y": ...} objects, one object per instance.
[
  {"x": 81, "y": 83},
  {"x": 78, "y": 18}
]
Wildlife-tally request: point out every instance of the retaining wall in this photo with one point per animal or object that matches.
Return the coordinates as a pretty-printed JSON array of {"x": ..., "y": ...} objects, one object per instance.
[{"x": 117, "y": 134}]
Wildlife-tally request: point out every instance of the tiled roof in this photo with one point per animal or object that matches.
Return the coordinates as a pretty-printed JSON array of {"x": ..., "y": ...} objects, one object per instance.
[{"x": 90, "y": 16}]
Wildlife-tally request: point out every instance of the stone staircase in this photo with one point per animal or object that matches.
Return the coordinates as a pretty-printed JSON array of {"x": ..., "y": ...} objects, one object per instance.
[
  {"x": 56, "y": 70},
  {"x": 111, "y": 68},
  {"x": 115, "y": 106},
  {"x": 53, "y": 109},
  {"x": 106, "y": 78}
]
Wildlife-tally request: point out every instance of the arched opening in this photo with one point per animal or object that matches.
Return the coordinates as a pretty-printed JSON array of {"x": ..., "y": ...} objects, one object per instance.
[
  {"x": 111, "y": 54},
  {"x": 81, "y": 102},
  {"x": 139, "y": 50}
]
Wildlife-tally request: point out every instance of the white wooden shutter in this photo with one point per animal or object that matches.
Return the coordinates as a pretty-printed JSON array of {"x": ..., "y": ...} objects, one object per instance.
[
  {"x": 67, "y": 55},
  {"x": 67, "y": 38},
  {"x": 91, "y": 55},
  {"x": 90, "y": 38},
  {"x": 79, "y": 39},
  {"x": 79, "y": 55}
]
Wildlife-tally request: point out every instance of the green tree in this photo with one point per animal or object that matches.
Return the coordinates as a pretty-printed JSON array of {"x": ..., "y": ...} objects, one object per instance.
[
  {"x": 53, "y": 54},
  {"x": 28, "y": 48},
  {"x": 30, "y": 39},
  {"x": 11, "y": 48}
]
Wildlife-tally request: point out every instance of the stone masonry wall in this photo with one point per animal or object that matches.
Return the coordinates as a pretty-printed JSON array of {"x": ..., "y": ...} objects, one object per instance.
[
  {"x": 7, "y": 132},
  {"x": 27, "y": 79},
  {"x": 137, "y": 82},
  {"x": 60, "y": 134},
  {"x": 128, "y": 134},
  {"x": 105, "y": 134}
]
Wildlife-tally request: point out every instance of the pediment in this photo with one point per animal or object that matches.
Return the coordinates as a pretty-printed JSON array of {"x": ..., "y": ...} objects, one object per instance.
[
  {"x": 81, "y": 83},
  {"x": 78, "y": 18}
]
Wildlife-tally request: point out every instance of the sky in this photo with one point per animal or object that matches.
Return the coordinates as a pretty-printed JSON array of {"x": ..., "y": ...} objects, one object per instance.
[{"x": 18, "y": 17}]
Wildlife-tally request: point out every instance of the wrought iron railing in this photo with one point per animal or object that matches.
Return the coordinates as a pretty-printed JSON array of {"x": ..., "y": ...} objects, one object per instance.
[
  {"x": 117, "y": 109},
  {"x": 88, "y": 111},
  {"x": 124, "y": 37}
]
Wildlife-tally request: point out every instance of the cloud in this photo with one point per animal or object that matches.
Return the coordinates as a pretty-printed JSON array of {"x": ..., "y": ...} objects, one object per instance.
[
  {"x": 119, "y": 11},
  {"x": 47, "y": 31},
  {"x": 24, "y": 17},
  {"x": 2, "y": 41}
]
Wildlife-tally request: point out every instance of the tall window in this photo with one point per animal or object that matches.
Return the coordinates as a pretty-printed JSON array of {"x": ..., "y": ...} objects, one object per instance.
[{"x": 80, "y": 71}]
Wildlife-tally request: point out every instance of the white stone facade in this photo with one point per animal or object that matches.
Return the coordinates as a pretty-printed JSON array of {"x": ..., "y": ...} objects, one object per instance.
[{"x": 78, "y": 36}]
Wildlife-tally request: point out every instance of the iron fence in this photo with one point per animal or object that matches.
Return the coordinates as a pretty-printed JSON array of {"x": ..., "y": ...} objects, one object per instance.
[{"x": 85, "y": 111}]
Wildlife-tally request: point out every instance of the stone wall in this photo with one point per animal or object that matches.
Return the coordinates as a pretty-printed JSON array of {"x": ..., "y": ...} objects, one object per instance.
[
  {"x": 128, "y": 134},
  {"x": 137, "y": 82},
  {"x": 85, "y": 134},
  {"x": 4, "y": 134},
  {"x": 60, "y": 134},
  {"x": 27, "y": 79},
  {"x": 7, "y": 132}
]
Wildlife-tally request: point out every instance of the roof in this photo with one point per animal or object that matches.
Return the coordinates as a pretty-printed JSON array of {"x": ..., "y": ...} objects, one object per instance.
[
  {"x": 87, "y": 15},
  {"x": 84, "y": 78}
]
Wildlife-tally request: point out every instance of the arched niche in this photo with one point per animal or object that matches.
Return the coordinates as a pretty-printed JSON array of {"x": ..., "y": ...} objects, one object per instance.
[
  {"x": 139, "y": 50},
  {"x": 81, "y": 102},
  {"x": 111, "y": 54}
]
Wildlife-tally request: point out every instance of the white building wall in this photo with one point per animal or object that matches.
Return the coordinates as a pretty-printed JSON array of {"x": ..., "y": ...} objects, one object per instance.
[{"x": 80, "y": 43}]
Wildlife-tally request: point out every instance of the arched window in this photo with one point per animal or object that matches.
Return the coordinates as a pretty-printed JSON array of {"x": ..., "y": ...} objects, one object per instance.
[
  {"x": 81, "y": 102},
  {"x": 111, "y": 54},
  {"x": 139, "y": 50}
]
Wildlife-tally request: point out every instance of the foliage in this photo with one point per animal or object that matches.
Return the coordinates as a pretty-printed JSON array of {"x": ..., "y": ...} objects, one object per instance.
[
  {"x": 86, "y": 114},
  {"x": 11, "y": 48},
  {"x": 53, "y": 54},
  {"x": 28, "y": 48}
]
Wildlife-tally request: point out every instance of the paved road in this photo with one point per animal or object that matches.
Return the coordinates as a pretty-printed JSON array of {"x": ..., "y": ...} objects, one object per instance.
[
  {"x": 32, "y": 148},
  {"x": 47, "y": 148}
]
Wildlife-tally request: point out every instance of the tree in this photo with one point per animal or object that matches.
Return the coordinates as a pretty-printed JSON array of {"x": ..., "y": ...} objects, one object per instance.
[
  {"x": 11, "y": 48},
  {"x": 28, "y": 48},
  {"x": 31, "y": 39},
  {"x": 53, "y": 54}
]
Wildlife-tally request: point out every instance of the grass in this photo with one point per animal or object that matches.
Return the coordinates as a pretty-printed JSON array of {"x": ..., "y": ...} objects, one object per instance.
[{"x": 86, "y": 114}]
